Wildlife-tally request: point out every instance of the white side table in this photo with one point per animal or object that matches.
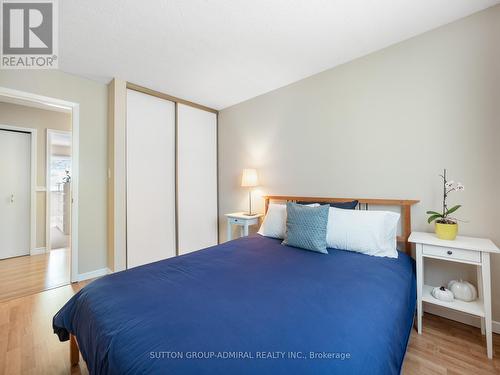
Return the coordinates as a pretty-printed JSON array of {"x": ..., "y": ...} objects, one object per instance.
[
  {"x": 470, "y": 250},
  {"x": 243, "y": 220}
]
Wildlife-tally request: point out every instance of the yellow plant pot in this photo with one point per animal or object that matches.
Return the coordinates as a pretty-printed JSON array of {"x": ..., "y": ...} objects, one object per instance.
[{"x": 446, "y": 231}]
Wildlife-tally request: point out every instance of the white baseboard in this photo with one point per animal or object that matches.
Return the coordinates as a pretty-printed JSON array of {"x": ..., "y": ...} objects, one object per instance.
[
  {"x": 93, "y": 274},
  {"x": 38, "y": 251},
  {"x": 458, "y": 316}
]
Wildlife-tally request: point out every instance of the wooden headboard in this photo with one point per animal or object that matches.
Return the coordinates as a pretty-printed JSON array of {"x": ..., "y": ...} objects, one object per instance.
[{"x": 364, "y": 203}]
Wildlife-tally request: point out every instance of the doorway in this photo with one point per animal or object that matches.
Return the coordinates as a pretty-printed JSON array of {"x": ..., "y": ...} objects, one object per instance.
[
  {"x": 59, "y": 189},
  {"x": 38, "y": 193}
]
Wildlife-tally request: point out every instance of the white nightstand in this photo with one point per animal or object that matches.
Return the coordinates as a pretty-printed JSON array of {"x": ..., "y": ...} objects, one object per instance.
[
  {"x": 475, "y": 251},
  {"x": 243, "y": 220}
]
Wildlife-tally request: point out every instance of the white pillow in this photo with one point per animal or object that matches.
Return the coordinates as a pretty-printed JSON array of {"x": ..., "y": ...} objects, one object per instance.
[
  {"x": 367, "y": 232},
  {"x": 274, "y": 224}
]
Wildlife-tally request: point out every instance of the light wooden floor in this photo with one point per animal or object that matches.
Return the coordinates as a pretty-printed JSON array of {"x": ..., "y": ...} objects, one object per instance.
[
  {"x": 28, "y": 345},
  {"x": 27, "y": 342},
  {"x": 26, "y": 275},
  {"x": 448, "y": 347}
]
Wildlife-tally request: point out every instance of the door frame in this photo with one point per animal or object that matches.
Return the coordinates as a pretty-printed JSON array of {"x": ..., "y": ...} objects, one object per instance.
[
  {"x": 47, "y": 183},
  {"x": 33, "y": 160},
  {"x": 48, "y": 102}
]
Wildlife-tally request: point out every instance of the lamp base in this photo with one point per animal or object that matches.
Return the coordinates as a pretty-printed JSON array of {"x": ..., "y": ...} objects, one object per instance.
[{"x": 249, "y": 214}]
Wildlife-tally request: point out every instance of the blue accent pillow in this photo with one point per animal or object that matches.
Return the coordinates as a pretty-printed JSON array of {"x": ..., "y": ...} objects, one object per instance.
[
  {"x": 351, "y": 205},
  {"x": 306, "y": 227}
]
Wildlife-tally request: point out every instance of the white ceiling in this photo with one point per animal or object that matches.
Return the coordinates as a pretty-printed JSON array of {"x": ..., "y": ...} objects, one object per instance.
[{"x": 221, "y": 52}]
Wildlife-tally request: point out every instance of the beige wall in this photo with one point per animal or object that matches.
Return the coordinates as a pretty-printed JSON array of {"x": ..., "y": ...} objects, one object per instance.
[
  {"x": 92, "y": 97},
  {"x": 383, "y": 126},
  {"x": 41, "y": 120}
]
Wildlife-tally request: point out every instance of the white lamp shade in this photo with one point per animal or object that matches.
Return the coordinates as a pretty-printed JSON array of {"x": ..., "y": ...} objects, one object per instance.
[{"x": 249, "y": 178}]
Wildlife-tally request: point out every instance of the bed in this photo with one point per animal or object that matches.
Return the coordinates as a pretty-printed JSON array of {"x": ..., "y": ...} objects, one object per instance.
[{"x": 249, "y": 306}]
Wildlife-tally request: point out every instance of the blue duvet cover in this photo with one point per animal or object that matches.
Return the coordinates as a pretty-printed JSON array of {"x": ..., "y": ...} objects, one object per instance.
[{"x": 250, "y": 306}]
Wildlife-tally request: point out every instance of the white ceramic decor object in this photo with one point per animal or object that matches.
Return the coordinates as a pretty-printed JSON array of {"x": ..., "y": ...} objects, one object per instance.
[
  {"x": 463, "y": 290},
  {"x": 442, "y": 294}
]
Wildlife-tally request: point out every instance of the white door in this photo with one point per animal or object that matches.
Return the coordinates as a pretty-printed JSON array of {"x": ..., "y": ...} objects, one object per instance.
[
  {"x": 15, "y": 193},
  {"x": 150, "y": 179},
  {"x": 197, "y": 178}
]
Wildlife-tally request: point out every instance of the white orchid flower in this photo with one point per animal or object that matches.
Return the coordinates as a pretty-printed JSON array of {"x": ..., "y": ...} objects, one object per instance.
[
  {"x": 449, "y": 184},
  {"x": 460, "y": 187}
]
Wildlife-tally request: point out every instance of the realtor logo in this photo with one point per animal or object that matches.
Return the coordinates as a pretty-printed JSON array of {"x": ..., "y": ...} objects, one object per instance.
[{"x": 29, "y": 34}]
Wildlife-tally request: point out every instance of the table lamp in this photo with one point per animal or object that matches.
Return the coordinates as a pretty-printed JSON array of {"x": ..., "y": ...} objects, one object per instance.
[{"x": 249, "y": 179}]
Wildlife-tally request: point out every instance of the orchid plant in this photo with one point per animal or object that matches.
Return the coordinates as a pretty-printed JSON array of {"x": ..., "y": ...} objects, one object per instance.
[{"x": 444, "y": 217}]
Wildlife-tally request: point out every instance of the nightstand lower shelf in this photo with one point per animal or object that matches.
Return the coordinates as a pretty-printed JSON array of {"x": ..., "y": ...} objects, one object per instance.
[{"x": 474, "y": 308}]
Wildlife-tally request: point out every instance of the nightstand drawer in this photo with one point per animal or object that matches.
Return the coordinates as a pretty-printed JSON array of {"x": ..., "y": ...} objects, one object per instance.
[
  {"x": 451, "y": 253},
  {"x": 234, "y": 220},
  {"x": 238, "y": 221}
]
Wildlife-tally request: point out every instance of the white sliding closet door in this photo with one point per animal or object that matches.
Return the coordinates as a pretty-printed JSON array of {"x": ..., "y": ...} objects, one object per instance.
[
  {"x": 15, "y": 193},
  {"x": 196, "y": 178},
  {"x": 150, "y": 179}
]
